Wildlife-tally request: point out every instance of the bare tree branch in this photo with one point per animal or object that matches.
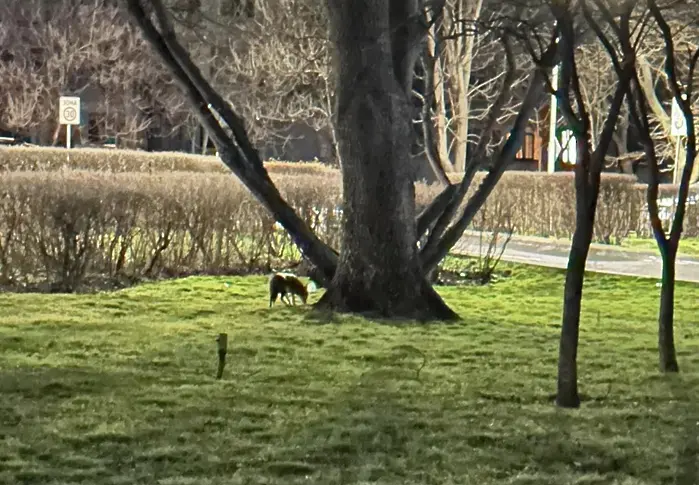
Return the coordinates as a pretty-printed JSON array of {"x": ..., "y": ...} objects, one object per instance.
[
  {"x": 433, "y": 253},
  {"x": 446, "y": 218},
  {"x": 241, "y": 158},
  {"x": 686, "y": 107}
]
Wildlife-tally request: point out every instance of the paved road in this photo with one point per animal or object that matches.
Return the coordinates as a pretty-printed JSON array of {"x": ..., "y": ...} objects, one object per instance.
[{"x": 541, "y": 252}]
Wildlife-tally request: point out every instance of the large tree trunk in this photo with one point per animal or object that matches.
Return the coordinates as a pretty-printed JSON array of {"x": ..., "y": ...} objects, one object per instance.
[
  {"x": 666, "y": 339},
  {"x": 379, "y": 271}
]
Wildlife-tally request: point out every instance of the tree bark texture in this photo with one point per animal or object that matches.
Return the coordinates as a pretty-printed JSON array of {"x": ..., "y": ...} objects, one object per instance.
[
  {"x": 378, "y": 270},
  {"x": 668, "y": 359},
  {"x": 567, "y": 395},
  {"x": 587, "y": 172},
  {"x": 666, "y": 338}
]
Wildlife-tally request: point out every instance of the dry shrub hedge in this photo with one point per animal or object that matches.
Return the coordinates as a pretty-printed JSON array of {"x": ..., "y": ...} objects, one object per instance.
[
  {"x": 99, "y": 159},
  {"x": 62, "y": 227},
  {"x": 542, "y": 204}
]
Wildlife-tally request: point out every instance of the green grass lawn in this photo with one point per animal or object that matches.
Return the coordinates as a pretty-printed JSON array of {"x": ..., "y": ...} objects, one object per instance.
[
  {"x": 119, "y": 388},
  {"x": 688, "y": 246}
]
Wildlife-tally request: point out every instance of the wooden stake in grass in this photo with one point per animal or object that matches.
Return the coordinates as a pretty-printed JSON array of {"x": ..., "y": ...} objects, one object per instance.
[{"x": 222, "y": 344}]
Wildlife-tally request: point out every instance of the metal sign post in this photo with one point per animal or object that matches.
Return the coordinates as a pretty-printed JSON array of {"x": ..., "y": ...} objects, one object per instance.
[{"x": 69, "y": 114}]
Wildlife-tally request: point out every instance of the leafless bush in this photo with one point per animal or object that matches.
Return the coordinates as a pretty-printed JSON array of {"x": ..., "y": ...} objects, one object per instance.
[
  {"x": 65, "y": 226},
  {"x": 49, "y": 159},
  {"x": 543, "y": 204},
  {"x": 61, "y": 227}
]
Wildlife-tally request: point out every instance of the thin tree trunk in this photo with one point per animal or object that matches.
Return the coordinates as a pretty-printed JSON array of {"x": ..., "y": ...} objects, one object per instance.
[
  {"x": 643, "y": 98},
  {"x": 588, "y": 171},
  {"x": 428, "y": 126},
  {"x": 461, "y": 136},
  {"x": 666, "y": 339},
  {"x": 440, "y": 128},
  {"x": 472, "y": 11},
  {"x": 567, "y": 395},
  {"x": 669, "y": 246}
]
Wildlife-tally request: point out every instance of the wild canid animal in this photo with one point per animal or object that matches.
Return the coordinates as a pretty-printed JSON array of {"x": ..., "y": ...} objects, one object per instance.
[{"x": 286, "y": 284}]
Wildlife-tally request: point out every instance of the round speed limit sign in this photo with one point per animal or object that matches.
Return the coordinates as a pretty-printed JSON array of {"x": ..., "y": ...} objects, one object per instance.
[
  {"x": 69, "y": 114},
  {"x": 69, "y": 110}
]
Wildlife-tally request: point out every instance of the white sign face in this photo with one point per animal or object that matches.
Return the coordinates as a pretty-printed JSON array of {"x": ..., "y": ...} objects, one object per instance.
[
  {"x": 569, "y": 147},
  {"x": 69, "y": 110},
  {"x": 679, "y": 123}
]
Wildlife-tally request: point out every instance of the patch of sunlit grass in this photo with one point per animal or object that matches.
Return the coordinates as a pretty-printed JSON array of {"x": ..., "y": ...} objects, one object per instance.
[{"x": 119, "y": 388}]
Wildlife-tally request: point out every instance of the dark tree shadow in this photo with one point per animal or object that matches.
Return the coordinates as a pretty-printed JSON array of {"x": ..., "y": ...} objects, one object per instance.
[{"x": 687, "y": 447}]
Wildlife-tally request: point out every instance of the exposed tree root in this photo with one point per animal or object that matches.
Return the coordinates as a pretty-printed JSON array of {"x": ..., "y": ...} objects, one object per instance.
[{"x": 426, "y": 306}]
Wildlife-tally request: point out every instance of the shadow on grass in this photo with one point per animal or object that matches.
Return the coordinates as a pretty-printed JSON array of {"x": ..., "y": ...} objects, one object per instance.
[
  {"x": 365, "y": 435},
  {"x": 61, "y": 382},
  {"x": 686, "y": 410},
  {"x": 320, "y": 316}
]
